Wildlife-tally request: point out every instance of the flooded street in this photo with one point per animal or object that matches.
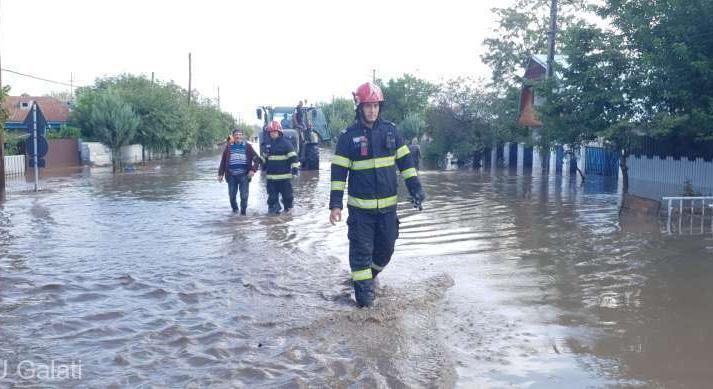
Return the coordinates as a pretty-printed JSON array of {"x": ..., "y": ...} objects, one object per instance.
[{"x": 148, "y": 280}]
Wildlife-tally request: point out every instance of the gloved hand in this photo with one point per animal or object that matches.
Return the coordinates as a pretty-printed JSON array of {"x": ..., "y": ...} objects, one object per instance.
[
  {"x": 295, "y": 171},
  {"x": 417, "y": 198}
]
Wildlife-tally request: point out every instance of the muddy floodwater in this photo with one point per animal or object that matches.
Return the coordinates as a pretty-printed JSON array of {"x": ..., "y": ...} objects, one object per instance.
[{"x": 146, "y": 279}]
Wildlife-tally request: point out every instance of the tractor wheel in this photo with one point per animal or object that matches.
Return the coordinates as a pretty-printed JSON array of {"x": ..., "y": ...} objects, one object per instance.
[{"x": 311, "y": 156}]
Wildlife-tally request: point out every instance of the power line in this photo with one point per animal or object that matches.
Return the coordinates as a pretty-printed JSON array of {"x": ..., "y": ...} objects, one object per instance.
[{"x": 39, "y": 78}]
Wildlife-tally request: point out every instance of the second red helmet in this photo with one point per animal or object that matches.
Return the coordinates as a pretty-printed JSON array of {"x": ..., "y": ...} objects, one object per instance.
[
  {"x": 368, "y": 93},
  {"x": 275, "y": 126}
]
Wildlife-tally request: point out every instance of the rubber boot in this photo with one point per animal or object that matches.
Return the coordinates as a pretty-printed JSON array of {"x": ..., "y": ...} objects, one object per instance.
[
  {"x": 374, "y": 273},
  {"x": 243, "y": 211},
  {"x": 364, "y": 293}
]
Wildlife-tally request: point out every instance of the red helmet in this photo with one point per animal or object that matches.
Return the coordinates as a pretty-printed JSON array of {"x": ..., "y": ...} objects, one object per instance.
[
  {"x": 368, "y": 93},
  {"x": 275, "y": 126}
]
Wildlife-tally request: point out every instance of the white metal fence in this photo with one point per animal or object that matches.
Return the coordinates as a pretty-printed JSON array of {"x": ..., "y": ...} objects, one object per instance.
[
  {"x": 689, "y": 215},
  {"x": 14, "y": 165},
  {"x": 670, "y": 176}
]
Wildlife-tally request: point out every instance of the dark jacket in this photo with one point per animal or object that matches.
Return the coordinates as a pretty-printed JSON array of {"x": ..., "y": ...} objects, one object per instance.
[
  {"x": 280, "y": 159},
  {"x": 250, "y": 155},
  {"x": 372, "y": 178}
]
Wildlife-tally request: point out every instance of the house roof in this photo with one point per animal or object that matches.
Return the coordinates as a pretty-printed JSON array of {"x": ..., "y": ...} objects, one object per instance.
[
  {"x": 560, "y": 60},
  {"x": 536, "y": 70},
  {"x": 537, "y": 65},
  {"x": 53, "y": 109}
]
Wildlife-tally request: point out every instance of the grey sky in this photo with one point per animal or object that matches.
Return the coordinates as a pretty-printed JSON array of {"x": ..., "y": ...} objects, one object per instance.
[{"x": 258, "y": 52}]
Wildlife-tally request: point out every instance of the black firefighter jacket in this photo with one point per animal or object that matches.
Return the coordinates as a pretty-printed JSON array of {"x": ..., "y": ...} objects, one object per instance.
[
  {"x": 372, "y": 177},
  {"x": 280, "y": 159}
]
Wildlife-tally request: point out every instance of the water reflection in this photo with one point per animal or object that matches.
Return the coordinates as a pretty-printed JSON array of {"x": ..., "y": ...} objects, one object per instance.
[{"x": 502, "y": 280}]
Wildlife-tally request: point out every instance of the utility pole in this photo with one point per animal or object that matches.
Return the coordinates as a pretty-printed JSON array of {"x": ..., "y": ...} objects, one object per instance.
[
  {"x": 152, "y": 78},
  {"x": 189, "y": 78},
  {"x": 373, "y": 76},
  {"x": 218, "y": 97},
  {"x": 71, "y": 86},
  {"x": 551, "y": 40},
  {"x": 2, "y": 148},
  {"x": 34, "y": 143}
]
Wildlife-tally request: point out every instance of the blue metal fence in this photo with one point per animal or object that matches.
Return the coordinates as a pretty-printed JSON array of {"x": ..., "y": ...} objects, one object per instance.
[{"x": 601, "y": 161}]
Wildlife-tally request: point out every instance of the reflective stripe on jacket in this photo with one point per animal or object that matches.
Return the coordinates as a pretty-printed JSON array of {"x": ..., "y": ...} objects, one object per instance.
[
  {"x": 281, "y": 160},
  {"x": 371, "y": 179}
]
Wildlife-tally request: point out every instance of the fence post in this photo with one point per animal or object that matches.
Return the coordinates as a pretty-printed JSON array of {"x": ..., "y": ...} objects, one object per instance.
[{"x": 668, "y": 225}]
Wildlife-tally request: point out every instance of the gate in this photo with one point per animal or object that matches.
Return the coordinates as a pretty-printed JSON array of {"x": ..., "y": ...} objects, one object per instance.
[{"x": 601, "y": 162}]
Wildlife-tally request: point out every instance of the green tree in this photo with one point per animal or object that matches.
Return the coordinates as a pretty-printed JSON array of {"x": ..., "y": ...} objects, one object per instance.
[
  {"x": 406, "y": 95},
  {"x": 339, "y": 114},
  {"x": 522, "y": 31},
  {"x": 167, "y": 121},
  {"x": 80, "y": 115},
  {"x": 461, "y": 121},
  {"x": 651, "y": 75},
  {"x": 114, "y": 123},
  {"x": 66, "y": 132},
  {"x": 591, "y": 96},
  {"x": 165, "y": 116},
  {"x": 4, "y": 91},
  {"x": 412, "y": 126},
  {"x": 671, "y": 45}
]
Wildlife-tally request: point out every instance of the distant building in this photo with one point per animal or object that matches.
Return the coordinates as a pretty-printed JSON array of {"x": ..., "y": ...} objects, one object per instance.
[
  {"x": 536, "y": 70},
  {"x": 18, "y": 107}
]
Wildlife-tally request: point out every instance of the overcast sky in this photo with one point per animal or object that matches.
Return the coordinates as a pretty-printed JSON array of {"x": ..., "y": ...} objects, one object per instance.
[{"x": 257, "y": 52}]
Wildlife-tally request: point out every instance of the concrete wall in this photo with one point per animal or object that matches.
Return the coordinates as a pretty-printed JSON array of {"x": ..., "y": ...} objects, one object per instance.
[
  {"x": 62, "y": 153},
  {"x": 131, "y": 154},
  {"x": 95, "y": 154}
]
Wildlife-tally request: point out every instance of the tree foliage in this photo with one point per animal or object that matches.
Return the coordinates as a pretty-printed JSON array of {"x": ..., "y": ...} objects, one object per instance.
[
  {"x": 167, "y": 122},
  {"x": 114, "y": 122},
  {"x": 405, "y": 95},
  {"x": 670, "y": 44},
  {"x": 412, "y": 126},
  {"x": 649, "y": 71},
  {"x": 651, "y": 74},
  {"x": 591, "y": 95},
  {"x": 461, "y": 120},
  {"x": 406, "y": 100},
  {"x": 4, "y": 91},
  {"x": 522, "y": 31},
  {"x": 339, "y": 114}
]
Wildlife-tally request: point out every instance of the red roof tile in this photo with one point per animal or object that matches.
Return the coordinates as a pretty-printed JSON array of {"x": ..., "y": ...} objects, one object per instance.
[{"x": 53, "y": 109}]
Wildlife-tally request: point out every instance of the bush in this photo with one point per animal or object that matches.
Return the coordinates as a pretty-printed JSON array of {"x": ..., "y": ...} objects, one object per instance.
[
  {"x": 64, "y": 133},
  {"x": 13, "y": 142}
]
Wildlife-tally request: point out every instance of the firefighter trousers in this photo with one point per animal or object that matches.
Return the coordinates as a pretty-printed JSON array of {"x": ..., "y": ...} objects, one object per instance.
[
  {"x": 372, "y": 237},
  {"x": 275, "y": 189}
]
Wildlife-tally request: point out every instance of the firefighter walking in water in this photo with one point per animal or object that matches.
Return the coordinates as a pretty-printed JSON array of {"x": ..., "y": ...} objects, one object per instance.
[
  {"x": 367, "y": 155},
  {"x": 281, "y": 165}
]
